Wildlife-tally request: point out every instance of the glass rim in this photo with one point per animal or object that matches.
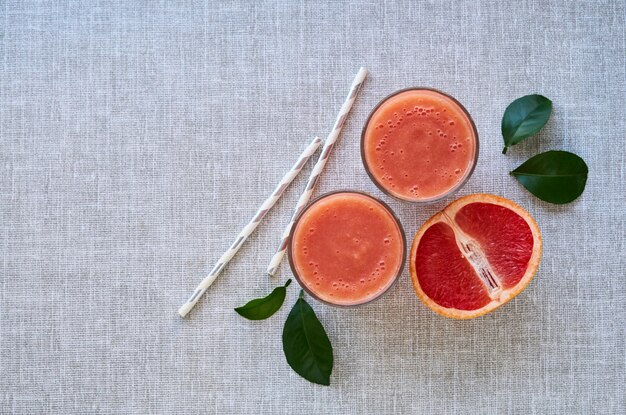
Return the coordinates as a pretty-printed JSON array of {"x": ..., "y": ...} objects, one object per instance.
[
  {"x": 302, "y": 213},
  {"x": 454, "y": 189}
]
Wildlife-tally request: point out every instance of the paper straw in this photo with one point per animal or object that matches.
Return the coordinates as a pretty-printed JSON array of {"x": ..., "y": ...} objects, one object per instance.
[
  {"x": 250, "y": 227},
  {"x": 319, "y": 166}
]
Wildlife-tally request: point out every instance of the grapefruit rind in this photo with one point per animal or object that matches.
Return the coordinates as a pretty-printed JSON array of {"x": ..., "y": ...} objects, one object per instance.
[{"x": 506, "y": 295}]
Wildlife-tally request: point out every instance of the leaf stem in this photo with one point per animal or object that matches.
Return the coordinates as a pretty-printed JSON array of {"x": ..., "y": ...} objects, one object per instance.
[
  {"x": 504, "y": 150},
  {"x": 287, "y": 283},
  {"x": 301, "y": 294}
]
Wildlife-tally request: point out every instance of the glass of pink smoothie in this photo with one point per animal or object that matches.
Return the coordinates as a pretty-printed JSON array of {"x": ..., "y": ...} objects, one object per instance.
[
  {"x": 347, "y": 248},
  {"x": 419, "y": 145}
]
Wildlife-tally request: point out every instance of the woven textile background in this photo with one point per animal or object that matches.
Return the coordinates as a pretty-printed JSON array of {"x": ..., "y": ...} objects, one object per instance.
[{"x": 137, "y": 138}]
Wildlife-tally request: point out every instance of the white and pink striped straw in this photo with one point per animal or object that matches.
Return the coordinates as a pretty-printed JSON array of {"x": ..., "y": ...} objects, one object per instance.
[
  {"x": 250, "y": 227},
  {"x": 319, "y": 166}
]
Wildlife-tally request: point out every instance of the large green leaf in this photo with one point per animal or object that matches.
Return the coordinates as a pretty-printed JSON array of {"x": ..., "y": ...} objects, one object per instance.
[
  {"x": 554, "y": 176},
  {"x": 523, "y": 118},
  {"x": 306, "y": 344},
  {"x": 262, "y": 308}
]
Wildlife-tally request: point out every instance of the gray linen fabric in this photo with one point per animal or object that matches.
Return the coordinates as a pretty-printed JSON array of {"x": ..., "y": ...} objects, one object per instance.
[{"x": 136, "y": 139}]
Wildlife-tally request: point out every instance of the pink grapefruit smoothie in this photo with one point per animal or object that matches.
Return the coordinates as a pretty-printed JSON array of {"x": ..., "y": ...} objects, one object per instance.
[
  {"x": 419, "y": 145},
  {"x": 347, "y": 248}
]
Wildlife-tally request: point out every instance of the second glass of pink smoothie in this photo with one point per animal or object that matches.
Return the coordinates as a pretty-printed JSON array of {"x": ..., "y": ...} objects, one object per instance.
[{"x": 347, "y": 248}]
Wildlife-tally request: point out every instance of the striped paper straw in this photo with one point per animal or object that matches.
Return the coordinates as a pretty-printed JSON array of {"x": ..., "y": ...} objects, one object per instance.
[
  {"x": 250, "y": 227},
  {"x": 319, "y": 166}
]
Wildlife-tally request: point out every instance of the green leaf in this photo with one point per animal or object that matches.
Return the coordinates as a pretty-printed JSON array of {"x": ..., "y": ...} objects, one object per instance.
[
  {"x": 554, "y": 176},
  {"x": 523, "y": 118},
  {"x": 262, "y": 308},
  {"x": 306, "y": 344}
]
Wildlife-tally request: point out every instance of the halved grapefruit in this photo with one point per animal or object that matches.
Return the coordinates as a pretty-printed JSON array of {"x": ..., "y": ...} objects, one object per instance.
[{"x": 474, "y": 256}]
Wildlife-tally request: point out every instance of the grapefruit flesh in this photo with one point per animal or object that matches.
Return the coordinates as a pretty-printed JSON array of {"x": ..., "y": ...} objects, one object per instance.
[{"x": 475, "y": 255}]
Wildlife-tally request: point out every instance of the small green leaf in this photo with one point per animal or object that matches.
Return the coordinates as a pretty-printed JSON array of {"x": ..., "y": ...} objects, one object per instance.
[
  {"x": 523, "y": 118},
  {"x": 306, "y": 344},
  {"x": 262, "y": 308},
  {"x": 554, "y": 176}
]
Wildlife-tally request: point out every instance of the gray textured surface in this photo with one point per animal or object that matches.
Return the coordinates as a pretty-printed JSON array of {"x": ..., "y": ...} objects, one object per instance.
[{"x": 136, "y": 140}]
